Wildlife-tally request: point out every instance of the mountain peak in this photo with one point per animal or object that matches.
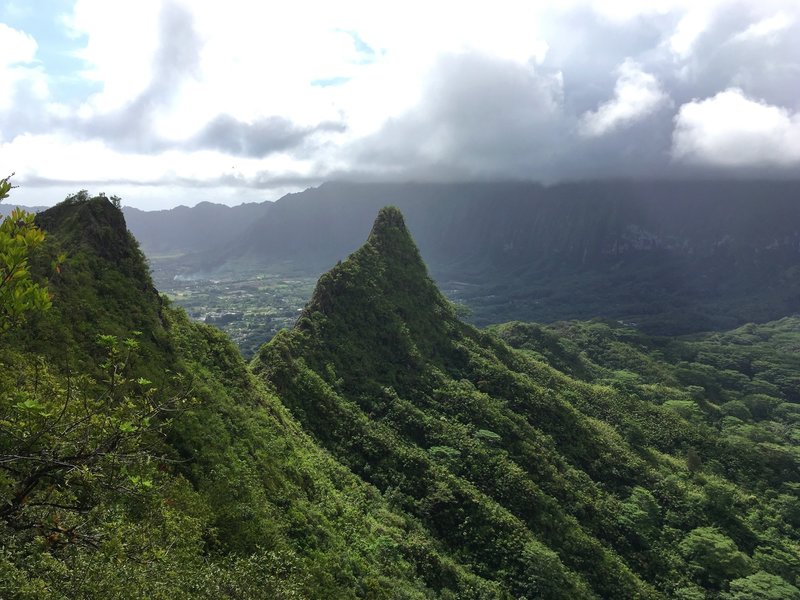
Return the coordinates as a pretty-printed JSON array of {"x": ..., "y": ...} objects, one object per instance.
[
  {"x": 380, "y": 304},
  {"x": 391, "y": 239},
  {"x": 81, "y": 221},
  {"x": 388, "y": 265},
  {"x": 389, "y": 218}
]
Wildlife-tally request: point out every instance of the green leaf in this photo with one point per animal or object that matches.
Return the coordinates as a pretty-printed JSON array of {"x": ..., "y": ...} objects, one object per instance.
[{"x": 127, "y": 427}]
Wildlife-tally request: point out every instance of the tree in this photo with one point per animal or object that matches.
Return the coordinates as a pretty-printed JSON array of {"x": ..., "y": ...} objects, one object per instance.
[
  {"x": 66, "y": 443},
  {"x": 20, "y": 295},
  {"x": 640, "y": 516},
  {"x": 713, "y": 557},
  {"x": 762, "y": 586},
  {"x": 693, "y": 461}
]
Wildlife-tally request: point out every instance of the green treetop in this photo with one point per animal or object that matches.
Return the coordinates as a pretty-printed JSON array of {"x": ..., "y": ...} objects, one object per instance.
[{"x": 19, "y": 237}]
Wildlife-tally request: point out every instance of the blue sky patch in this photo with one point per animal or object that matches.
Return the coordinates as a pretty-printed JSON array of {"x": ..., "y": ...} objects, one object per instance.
[
  {"x": 330, "y": 81},
  {"x": 366, "y": 51},
  {"x": 57, "y": 46}
]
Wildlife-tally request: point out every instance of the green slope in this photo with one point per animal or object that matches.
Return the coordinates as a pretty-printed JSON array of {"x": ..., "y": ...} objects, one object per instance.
[
  {"x": 220, "y": 495},
  {"x": 382, "y": 448},
  {"x": 551, "y": 486}
]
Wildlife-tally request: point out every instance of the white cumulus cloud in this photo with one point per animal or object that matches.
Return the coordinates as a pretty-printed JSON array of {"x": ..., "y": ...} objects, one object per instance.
[
  {"x": 21, "y": 77},
  {"x": 732, "y": 130},
  {"x": 693, "y": 24},
  {"x": 636, "y": 95},
  {"x": 15, "y": 46}
]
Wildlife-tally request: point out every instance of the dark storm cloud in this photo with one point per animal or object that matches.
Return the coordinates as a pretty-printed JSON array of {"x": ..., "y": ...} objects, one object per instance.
[
  {"x": 588, "y": 49},
  {"x": 486, "y": 117},
  {"x": 766, "y": 68},
  {"x": 478, "y": 115},
  {"x": 257, "y": 139}
]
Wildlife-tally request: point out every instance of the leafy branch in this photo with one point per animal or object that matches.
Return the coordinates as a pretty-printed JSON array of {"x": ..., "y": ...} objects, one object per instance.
[
  {"x": 19, "y": 238},
  {"x": 65, "y": 446}
]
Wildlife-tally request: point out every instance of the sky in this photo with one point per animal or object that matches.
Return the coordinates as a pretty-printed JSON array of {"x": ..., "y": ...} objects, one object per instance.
[{"x": 166, "y": 102}]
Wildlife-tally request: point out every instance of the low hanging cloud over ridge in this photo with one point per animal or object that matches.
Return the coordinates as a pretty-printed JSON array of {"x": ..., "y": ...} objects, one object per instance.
[
  {"x": 477, "y": 116},
  {"x": 244, "y": 95}
]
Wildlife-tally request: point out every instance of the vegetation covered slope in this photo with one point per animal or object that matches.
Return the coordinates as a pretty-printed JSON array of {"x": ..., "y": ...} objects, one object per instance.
[
  {"x": 549, "y": 485},
  {"x": 381, "y": 448},
  {"x": 140, "y": 459}
]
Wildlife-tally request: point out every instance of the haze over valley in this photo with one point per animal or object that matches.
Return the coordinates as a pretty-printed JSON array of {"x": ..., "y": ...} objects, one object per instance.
[{"x": 665, "y": 257}]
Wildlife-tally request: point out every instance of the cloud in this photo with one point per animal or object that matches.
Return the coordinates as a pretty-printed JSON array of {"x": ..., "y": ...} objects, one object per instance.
[
  {"x": 766, "y": 28},
  {"x": 255, "y": 95},
  {"x": 477, "y": 116},
  {"x": 636, "y": 95},
  {"x": 176, "y": 59},
  {"x": 693, "y": 24},
  {"x": 258, "y": 139},
  {"x": 732, "y": 130},
  {"x": 176, "y": 64},
  {"x": 23, "y": 87},
  {"x": 15, "y": 46}
]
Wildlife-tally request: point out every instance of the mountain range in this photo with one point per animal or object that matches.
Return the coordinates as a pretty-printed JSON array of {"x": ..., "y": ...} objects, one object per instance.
[{"x": 669, "y": 257}]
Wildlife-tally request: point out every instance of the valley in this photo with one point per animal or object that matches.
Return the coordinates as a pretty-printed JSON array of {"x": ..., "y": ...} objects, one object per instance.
[
  {"x": 671, "y": 258},
  {"x": 249, "y": 306}
]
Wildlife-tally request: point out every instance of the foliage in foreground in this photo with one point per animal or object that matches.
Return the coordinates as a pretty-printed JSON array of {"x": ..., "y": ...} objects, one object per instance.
[{"x": 19, "y": 238}]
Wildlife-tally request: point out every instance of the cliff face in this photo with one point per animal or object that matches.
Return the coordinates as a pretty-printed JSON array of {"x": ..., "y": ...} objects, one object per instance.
[{"x": 527, "y": 222}]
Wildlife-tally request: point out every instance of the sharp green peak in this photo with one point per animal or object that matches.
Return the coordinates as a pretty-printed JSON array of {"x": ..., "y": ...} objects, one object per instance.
[
  {"x": 389, "y": 219},
  {"x": 380, "y": 305},
  {"x": 388, "y": 265},
  {"x": 392, "y": 240},
  {"x": 103, "y": 285}
]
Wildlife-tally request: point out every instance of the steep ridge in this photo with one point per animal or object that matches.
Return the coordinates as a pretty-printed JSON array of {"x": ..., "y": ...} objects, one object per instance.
[
  {"x": 218, "y": 494},
  {"x": 549, "y": 486},
  {"x": 103, "y": 287},
  {"x": 440, "y": 462}
]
